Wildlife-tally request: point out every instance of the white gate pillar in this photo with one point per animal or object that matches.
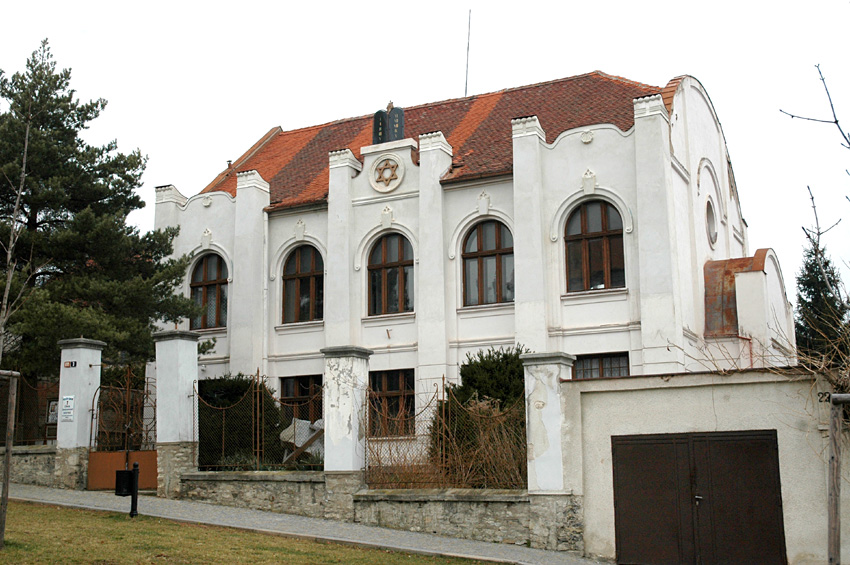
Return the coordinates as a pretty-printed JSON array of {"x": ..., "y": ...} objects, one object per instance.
[
  {"x": 176, "y": 436},
  {"x": 556, "y": 516},
  {"x": 346, "y": 377},
  {"x": 79, "y": 378}
]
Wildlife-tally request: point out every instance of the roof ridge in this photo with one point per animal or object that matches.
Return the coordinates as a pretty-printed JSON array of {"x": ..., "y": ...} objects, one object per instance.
[
  {"x": 601, "y": 74},
  {"x": 618, "y": 78}
]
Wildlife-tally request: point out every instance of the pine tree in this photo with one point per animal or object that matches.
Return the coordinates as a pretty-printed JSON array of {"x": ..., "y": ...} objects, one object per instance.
[
  {"x": 88, "y": 272},
  {"x": 822, "y": 313}
]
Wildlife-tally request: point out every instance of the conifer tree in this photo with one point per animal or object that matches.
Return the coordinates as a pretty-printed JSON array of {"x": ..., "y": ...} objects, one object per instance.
[
  {"x": 86, "y": 272},
  {"x": 822, "y": 313}
]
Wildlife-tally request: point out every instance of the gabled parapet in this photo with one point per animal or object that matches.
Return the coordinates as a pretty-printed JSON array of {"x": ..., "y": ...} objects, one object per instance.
[{"x": 745, "y": 299}]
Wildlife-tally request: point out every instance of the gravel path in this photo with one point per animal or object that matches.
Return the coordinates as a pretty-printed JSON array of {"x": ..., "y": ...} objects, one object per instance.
[{"x": 298, "y": 526}]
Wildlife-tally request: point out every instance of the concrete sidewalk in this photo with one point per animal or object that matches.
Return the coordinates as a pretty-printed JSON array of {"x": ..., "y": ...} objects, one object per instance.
[{"x": 298, "y": 526}]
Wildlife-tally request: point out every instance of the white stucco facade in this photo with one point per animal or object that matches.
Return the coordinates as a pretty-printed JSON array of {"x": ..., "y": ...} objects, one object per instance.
[{"x": 662, "y": 175}]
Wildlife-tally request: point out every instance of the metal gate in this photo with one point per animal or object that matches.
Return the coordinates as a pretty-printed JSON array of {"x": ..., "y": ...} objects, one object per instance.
[
  {"x": 698, "y": 498},
  {"x": 123, "y": 431}
]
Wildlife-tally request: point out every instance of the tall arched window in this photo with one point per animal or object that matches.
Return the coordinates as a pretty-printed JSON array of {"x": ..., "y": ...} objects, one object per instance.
[
  {"x": 209, "y": 290},
  {"x": 594, "y": 242},
  {"x": 488, "y": 264},
  {"x": 303, "y": 285},
  {"x": 391, "y": 276}
]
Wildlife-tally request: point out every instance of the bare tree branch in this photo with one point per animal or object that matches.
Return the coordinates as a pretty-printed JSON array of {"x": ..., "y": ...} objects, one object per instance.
[{"x": 845, "y": 139}]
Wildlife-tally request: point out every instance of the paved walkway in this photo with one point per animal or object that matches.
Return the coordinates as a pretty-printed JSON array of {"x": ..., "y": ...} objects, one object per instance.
[{"x": 299, "y": 526}]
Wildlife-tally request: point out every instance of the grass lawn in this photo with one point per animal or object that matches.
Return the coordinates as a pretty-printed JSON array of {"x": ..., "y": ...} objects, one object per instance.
[{"x": 49, "y": 534}]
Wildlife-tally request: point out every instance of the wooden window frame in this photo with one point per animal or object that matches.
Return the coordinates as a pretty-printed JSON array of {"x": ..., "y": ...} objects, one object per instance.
[
  {"x": 209, "y": 285},
  {"x": 606, "y": 235},
  {"x": 478, "y": 256},
  {"x": 313, "y": 278},
  {"x": 380, "y": 423},
  {"x": 313, "y": 386},
  {"x": 598, "y": 366},
  {"x": 384, "y": 267}
]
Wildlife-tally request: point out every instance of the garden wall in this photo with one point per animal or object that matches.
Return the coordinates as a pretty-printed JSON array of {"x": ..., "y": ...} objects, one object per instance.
[
  {"x": 32, "y": 465},
  {"x": 506, "y": 516}
]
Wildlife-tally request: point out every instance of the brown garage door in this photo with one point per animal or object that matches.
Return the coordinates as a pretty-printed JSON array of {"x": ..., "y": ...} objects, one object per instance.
[{"x": 698, "y": 498}]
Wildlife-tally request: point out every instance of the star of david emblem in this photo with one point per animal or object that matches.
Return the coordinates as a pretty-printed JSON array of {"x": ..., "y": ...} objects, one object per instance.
[{"x": 386, "y": 172}]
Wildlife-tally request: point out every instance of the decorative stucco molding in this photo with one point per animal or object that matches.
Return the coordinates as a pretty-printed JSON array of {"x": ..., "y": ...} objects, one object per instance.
[
  {"x": 375, "y": 233},
  {"x": 559, "y": 219},
  {"x": 250, "y": 179},
  {"x": 483, "y": 203},
  {"x": 434, "y": 141},
  {"x": 386, "y": 173},
  {"x": 473, "y": 218},
  {"x": 344, "y": 158},
  {"x": 528, "y": 126},
  {"x": 169, "y": 193},
  {"x": 649, "y": 106}
]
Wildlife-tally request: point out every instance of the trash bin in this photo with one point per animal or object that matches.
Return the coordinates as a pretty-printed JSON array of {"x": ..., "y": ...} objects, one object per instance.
[{"x": 123, "y": 483}]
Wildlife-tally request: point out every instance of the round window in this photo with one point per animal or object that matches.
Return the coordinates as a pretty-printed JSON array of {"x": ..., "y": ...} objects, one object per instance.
[{"x": 710, "y": 223}]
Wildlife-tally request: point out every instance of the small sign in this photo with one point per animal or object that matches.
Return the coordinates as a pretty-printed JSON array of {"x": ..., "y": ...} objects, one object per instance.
[
  {"x": 53, "y": 412},
  {"x": 69, "y": 364},
  {"x": 67, "y": 408}
]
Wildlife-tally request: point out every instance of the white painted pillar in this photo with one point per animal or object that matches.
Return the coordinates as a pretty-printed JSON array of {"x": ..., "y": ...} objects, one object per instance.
[
  {"x": 346, "y": 377},
  {"x": 176, "y": 371},
  {"x": 543, "y": 375},
  {"x": 341, "y": 311},
  {"x": 176, "y": 433},
  {"x": 435, "y": 158},
  {"x": 530, "y": 299},
  {"x": 655, "y": 226},
  {"x": 245, "y": 312},
  {"x": 79, "y": 379}
]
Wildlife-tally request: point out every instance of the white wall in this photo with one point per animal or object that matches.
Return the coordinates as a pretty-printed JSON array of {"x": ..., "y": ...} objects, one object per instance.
[{"x": 596, "y": 410}]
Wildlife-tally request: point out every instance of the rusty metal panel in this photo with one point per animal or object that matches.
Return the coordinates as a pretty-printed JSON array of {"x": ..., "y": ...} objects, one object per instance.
[
  {"x": 103, "y": 464},
  {"x": 704, "y": 498}
]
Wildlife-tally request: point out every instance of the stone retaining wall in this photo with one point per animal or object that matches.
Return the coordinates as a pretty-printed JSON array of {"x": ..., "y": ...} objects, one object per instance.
[
  {"x": 32, "y": 465},
  {"x": 486, "y": 515},
  {"x": 505, "y": 516},
  {"x": 295, "y": 492}
]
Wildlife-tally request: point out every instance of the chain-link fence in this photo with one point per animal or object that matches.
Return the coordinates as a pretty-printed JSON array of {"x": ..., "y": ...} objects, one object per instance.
[
  {"x": 36, "y": 411},
  {"x": 445, "y": 443},
  {"x": 242, "y": 426}
]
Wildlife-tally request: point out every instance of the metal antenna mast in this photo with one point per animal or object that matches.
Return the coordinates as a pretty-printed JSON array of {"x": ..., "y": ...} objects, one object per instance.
[{"x": 468, "y": 32}]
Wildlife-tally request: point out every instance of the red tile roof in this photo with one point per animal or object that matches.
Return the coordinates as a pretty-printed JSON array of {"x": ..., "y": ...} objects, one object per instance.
[{"x": 295, "y": 163}]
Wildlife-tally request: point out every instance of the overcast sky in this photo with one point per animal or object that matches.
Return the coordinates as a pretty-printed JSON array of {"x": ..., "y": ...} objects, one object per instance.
[{"x": 195, "y": 84}]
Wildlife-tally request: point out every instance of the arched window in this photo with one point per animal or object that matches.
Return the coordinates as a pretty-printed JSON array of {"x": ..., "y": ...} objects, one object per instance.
[
  {"x": 209, "y": 290},
  {"x": 391, "y": 276},
  {"x": 488, "y": 264},
  {"x": 303, "y": 285},
  {"x": 594, "y": 242}
]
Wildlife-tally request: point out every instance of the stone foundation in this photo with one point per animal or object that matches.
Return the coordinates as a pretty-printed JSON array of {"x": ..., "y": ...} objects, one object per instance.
[
  {"x": 339, "y": 496},
  {"x": 32, "y": 465},
  {"x": 556, "y": 522},
  {"x": 172, "y": 461},
  {"x": 487, "y": 515},
  {"x": 290, "y": 492},
  {"x": 552, "y": 522},
  {"x": 71, "y": 467}
]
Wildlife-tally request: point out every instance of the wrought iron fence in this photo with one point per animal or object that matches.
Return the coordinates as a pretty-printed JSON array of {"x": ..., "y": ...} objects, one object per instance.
[
  {"x": 242, "y": 426},
  {"x": 124, "y": 412},
  {"x": 36, "y": 412},
  {"x": 445, "y": 443}
]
